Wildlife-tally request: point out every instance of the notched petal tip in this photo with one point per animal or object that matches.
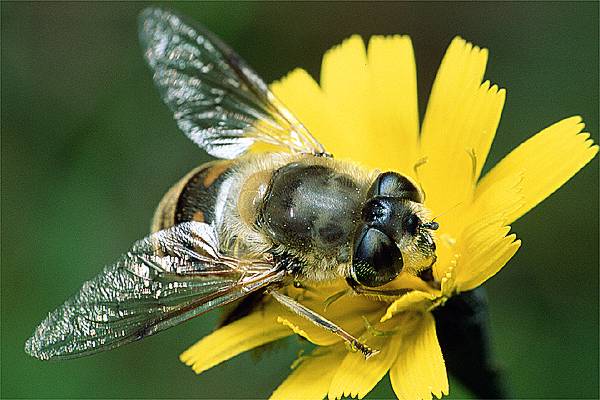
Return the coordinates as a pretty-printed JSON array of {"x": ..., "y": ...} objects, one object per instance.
[
  {"x": 475, "y": 107},
  {"x": 355, "y": 39},
  {"x": 352, "y": 44},
  {"x": 549, "y": 159},
  {"x": 572, "y": 120},
  {"x": 486, "y": 259},
  {"x": 457, "y": 41},
  {"x": 461, "y": 44},
  {"x": 493, "y": 89},
  {"x": 388, "y": 41},
  {"x": 296, "y": 73},
  {"x": 351, "y": 53}
]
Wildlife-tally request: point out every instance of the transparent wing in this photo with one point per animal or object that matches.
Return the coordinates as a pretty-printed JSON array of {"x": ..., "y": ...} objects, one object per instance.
[
  {"x": 165, "y": 279},
  {"x": 218, "y": 101}
]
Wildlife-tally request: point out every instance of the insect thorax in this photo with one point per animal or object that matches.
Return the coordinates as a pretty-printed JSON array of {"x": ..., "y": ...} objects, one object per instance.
[{"x": 310, "y": 211}]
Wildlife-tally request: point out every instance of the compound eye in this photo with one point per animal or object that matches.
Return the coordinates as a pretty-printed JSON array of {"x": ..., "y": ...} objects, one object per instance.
[
  {"x": 378, "y": 211},
  {"x": 392, "y": 184},
  {"x": 377, "y": 260},
  {"x": 411, "y": 224}
]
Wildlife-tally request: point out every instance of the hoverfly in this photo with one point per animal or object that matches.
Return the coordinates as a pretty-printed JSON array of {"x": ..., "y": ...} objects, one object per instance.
[{"x": 248, "y": 223}]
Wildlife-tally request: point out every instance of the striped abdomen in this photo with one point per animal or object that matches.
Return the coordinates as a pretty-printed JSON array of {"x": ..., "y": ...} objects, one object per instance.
[{"x": 193, "y": 198}]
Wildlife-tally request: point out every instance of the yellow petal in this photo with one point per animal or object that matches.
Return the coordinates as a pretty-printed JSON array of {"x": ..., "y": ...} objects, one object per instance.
[
  {"x": 345, "y": 82},
  {"x": 242, "y": 335},
  {"x": 490, "y": 208},
  {"x": 312, "y": 377},
  {"x": 502, "y": 198},
  {"x": 304, "y": 98},
  {"x": 485, "y": 249},
  {"x": 487, "y": 263},
  {"x": 393, "y": 104},
  {"x": 419, "y": 369},
  {"x": 356, "y": 377},
  {"x": 459, "y": 126},
  {"x": 365, "y": 100},
  {"x": 546, "y": 161},
  {"x": 413, "y": 301}
]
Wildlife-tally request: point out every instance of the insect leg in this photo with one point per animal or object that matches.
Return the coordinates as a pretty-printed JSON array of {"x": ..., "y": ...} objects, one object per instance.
[
  {"x": 360, "y": 289},
  {"x": 322, "y": 322}
]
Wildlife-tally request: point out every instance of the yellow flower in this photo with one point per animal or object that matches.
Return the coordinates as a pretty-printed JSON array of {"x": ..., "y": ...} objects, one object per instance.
[{"x": 365, "y": 109}]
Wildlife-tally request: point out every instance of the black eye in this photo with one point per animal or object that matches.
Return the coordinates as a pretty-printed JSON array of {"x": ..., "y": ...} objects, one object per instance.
[
  {"x": 411, "y": 224},
  {"x": 376, "y": 260},
  {"x": 392, "y": 184},
  {"x": 377, "y": 211}
]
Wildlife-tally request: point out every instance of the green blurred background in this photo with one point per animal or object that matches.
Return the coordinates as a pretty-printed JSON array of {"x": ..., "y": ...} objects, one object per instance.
[{"x": 88, "y": 149}]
